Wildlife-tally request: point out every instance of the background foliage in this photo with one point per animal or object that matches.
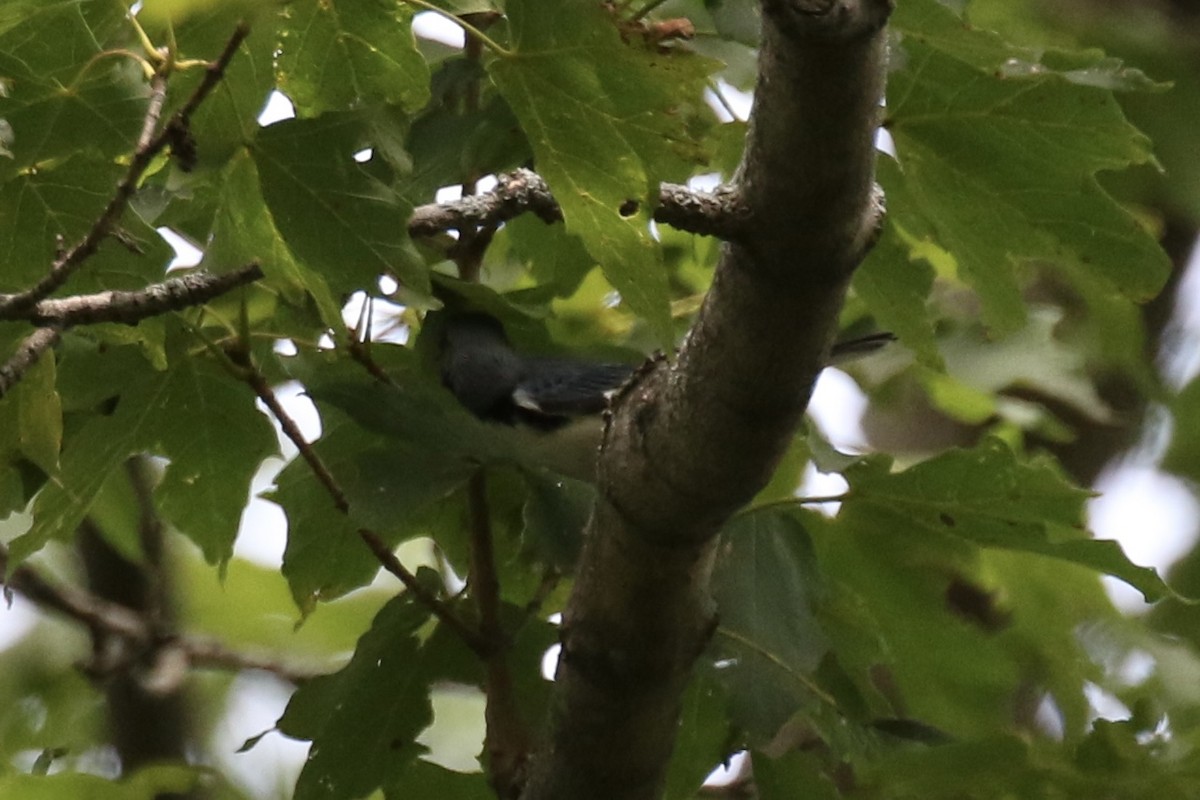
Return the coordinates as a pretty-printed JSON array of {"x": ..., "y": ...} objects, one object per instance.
[{"x": 945, "y": 633}]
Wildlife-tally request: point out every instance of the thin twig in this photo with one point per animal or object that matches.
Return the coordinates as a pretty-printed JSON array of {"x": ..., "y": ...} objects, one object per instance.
[
  {"x": 204, "y": 652},
  {"x": 383, "y": 553},
  {"x": 158, "y": 610},
  {"x": 718, "y": 213},
  {"x": 507, "y": 740},
  {"x": 28, "y": 352},
  {"x": 435, "y": 604},
  {"x": 98, "y": 614},
  {"x": 258, "y": 382},
  {"x": 56, "y": 316},
  {"x": 149, "y": 145},
  {"x": 482, "y": 575},
  {"x": 516, "y": 193},
  {"x": 105, "y": 616},
  {"x": 130, "y": 307},
  {"x": 213, "y": 74}
]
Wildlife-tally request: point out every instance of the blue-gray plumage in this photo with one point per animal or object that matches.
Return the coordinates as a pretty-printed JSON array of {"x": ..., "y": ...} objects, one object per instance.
[
  {"x": 494, "y": 382},
  {"x": 563, "y": 395}
]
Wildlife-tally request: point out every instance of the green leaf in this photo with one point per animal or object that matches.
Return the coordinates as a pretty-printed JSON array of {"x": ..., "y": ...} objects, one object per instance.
[
  {"x": 704, "y": 736},
  {"x": 228, "y": 118},
  {"x": 987, "y": 497},
  {"x": 448, "y": 145},
  {"x": 963, "y": 130},
  {"x": 71, "y": 96},
  {"x": 895, "y": 285},
  {"x": 794, "y": 774},
  {"x": 193, "y": 414},
  {"x": 335, "y": 56},
  {"x": 39, "y": 414},
  {"x": 932, "y": 22},
  {"x": 325, "y": 557},
  {"x": 334, "y": 212},
  {"x": 999, "y": 765},
  {"x": 145, "y": 784},
  {"x": 244, "y": 231},
  {"x": 606, "y": 123},
  {"x": 251, "y": 605},
  {"x": 426, "y": 779},
  {"x": 37, "y": 208},
  {"x": 216, "y": 439},
  {"x": 555, "y": 257},
  {"x": 555, "y": 513},
  {"x": 1183, "y": 456},
  {"x": 766, "y": 586},
  {"x": 1032, "y": 359},
  {"x": 363, "y": 720}
]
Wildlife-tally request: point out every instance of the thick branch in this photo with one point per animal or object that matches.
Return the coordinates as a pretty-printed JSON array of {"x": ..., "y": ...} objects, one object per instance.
[
  {"x": 691, "y": 441},
  {"x": 718, "y": 213}
]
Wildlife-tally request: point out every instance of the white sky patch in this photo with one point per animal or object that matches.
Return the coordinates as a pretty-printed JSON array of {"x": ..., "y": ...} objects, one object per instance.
[
  {"x": 704, "y": 183},
  {"x": 486, "y": 183},
  {"x": 1180, "y": 354},
  {"x": 738, "y": 101},
  {"x": 278, "y": 107},
  {"x": 262, "y": 534},
  {"x": 186, "y": 253},
  {"x": 884, "y": 142},
  {"x": 448, "y": 194},
  {"x": 436, "y": 28},
  {"x": 837, "y": 405},
  {"x": 16, "y": 621},
  {"x": 1154, "y": 517},
  {"x": 269, "y": 769},
  {"x": 727, "y": 773}
]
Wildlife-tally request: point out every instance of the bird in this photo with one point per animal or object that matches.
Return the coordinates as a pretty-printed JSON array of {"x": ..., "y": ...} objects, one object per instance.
[{"x": 559, "y": 400}]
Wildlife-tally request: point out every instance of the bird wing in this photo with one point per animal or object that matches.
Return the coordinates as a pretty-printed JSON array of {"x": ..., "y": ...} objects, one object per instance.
[{"x": 563, "y": 388}]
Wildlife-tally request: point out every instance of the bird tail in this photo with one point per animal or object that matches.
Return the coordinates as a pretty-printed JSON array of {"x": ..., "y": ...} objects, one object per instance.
[{"x": 850, "y": 349}]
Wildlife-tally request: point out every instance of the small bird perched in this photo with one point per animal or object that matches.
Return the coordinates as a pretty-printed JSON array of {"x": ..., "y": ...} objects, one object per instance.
[
  {"x": 496, "y": 383},
  {"x": 561, "y": 398}
]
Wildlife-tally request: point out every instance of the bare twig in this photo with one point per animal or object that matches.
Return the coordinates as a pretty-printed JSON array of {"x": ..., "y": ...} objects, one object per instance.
[
  {"x": 149, "y": 145},
  {"x": 213, "y": 74},
  {"x": 482, "y": 576},
  {"x": 507, "y": 741},
  {"x": 208, "y": 653},
  {"x": 115, "y": 619},
  {"x": 28, "y": 352},
  {"x": 130, "y": 307},
  {"x": 435, "y": 604},
  {"x": 258, "y": 382},
  {"x": 517, "y": 192},
  {"x": 98, "y": 614},
  {"x": 383, "y": 553},
  {"x": 718, "y": 213}
]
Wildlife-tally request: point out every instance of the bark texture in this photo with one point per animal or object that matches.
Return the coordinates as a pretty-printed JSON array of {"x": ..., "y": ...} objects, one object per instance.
[{"x": 690, "y": 441}]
